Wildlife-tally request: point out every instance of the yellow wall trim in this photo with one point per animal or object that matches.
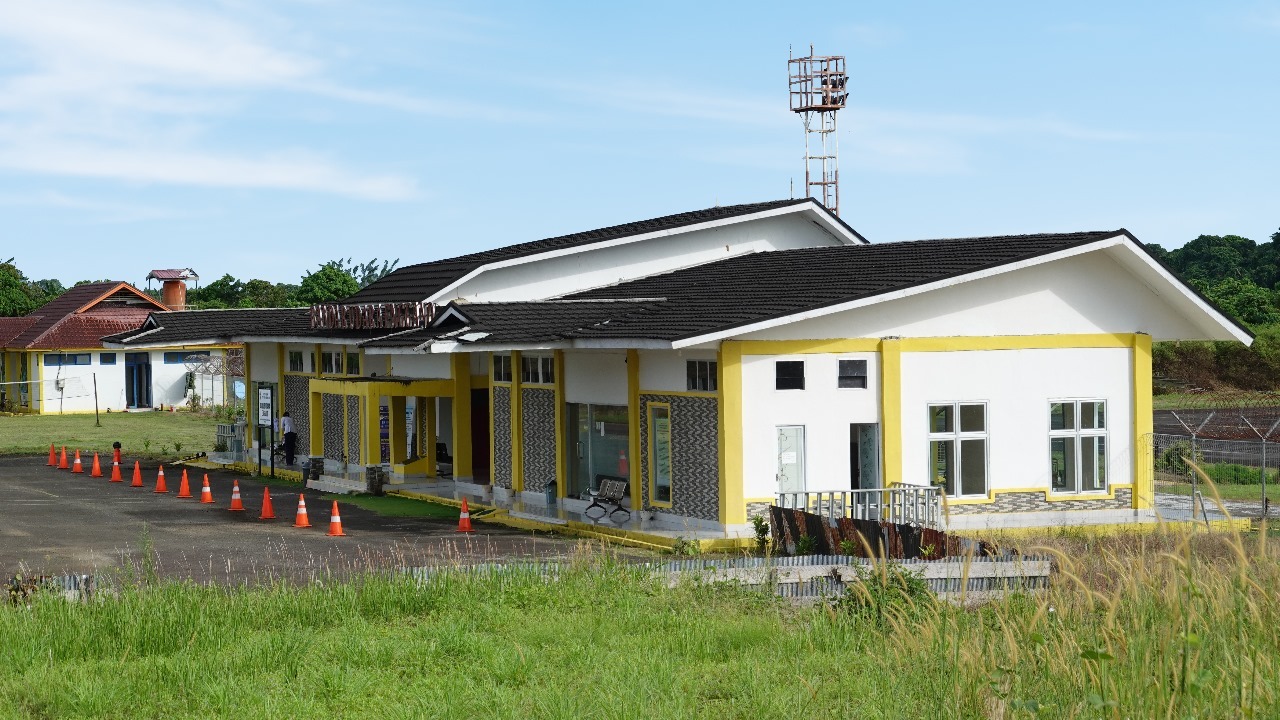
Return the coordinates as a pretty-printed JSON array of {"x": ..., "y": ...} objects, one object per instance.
[
  {"x": 891, "y": 411},
  {"x": 682, "y": 393},
  {"x": 806, "y": 347},
  {"x": 733, "y": 511},
  {"x": 1143, "y": 425}
]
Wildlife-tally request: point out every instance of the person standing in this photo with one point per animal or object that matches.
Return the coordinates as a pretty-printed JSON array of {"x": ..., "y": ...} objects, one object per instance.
[{"x": 290, "y": 438}]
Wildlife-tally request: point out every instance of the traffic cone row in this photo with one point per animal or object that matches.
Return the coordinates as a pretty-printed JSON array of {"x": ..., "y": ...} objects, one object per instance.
[{"x": 60, "y": 461}]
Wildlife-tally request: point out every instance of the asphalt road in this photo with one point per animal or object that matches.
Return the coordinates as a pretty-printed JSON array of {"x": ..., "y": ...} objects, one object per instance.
[{"x": 53, "y": 522}]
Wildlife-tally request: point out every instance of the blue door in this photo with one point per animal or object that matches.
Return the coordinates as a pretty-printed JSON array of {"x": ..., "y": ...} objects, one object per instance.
[{"x": 137, "y": 380}]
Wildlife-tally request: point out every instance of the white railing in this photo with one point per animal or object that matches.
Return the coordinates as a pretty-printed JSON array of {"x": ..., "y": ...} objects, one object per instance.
[{"x": 902, "y": 504}]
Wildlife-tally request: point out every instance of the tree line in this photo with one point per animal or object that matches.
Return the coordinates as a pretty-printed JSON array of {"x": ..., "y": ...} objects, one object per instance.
[
  {"x": 333, "y": 280},
  {"x": 1243, "y": 279}
]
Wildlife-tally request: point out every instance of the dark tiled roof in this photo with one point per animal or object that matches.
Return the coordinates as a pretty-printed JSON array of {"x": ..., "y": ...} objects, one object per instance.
[
  {"x": 761, "y": 286},
  {"x": 60, "y": 324},
  {"x": 202, "y": 326},
  {"x": 415, "y": 283}
]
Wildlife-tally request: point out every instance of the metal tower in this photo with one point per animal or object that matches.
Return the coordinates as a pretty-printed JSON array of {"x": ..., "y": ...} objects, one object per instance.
[{"x": 817, "y": 92}]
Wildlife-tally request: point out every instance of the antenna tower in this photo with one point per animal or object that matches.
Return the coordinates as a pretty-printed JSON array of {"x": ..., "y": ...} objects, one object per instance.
[{"x": 817, "y": 92}]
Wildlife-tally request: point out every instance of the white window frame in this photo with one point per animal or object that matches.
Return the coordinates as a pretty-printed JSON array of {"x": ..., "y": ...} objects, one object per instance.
[
  {"x": 956, "y": 436},
  {"x": 537, "y": 370},
  {"x": 1077, "y": 433},
  {"x": 701, "y": 376}
]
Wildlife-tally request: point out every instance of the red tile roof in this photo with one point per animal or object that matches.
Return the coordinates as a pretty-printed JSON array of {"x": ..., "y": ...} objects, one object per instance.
[
  {"x": 176, "y": 274},
  {"x": 79, "y": 317}
]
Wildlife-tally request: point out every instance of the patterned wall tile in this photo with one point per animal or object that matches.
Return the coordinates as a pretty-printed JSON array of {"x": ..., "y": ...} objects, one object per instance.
[
  {"x": 297, "y": 401},
  {"x": 1035, "y": 502},
  {"x": 501, "y": 436},
  {"x": 332, "y": 410},
  {"x": 695, "y": 464},
  {"x": 353, "y": 428},
  {"x": 538, "y": 441}
]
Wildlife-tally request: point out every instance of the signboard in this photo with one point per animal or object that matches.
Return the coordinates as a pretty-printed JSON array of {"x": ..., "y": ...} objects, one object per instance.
[{"x": 265, "y": 406}]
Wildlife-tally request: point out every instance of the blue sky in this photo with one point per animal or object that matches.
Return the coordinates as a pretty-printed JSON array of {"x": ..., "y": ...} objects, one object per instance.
[{"x": 263, "y": 138}]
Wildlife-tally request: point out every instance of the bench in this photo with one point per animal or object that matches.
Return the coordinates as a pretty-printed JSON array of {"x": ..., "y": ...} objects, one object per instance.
[{"x": 610, "y": 489}]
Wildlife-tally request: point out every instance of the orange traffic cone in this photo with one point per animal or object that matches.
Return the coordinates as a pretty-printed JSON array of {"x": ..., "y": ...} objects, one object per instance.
[
  {"x": 335, "y": 522},
  {"x": 137, "y": 474},
  {"x": 464, "y": 520},
  {"x": 301, "y": 519},
  {"x": 76, "y": 467},
  {"x": 161, "y": 487},
  {"x": 62, "y": 460},
  {"x": 184, "y": 490},
  {"x": 236, "y": 503},
  {"x": 206, "y": 496},
  {"x": 268, "y": 511},
  {"x": 53, "y": 456},
  {"x": 115, "y": 471},
  {"x": 97, "y": 469},
  {"x": 115, "y": 455}
]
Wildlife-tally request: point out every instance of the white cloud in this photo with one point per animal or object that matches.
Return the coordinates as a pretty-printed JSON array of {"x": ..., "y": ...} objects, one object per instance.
[
  {"x": 129, "y": 91},
  {"x": 100, "y": 211}
]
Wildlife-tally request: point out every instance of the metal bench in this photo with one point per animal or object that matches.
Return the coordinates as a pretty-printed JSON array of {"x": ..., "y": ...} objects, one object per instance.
[{"x": 610, "y": 491}]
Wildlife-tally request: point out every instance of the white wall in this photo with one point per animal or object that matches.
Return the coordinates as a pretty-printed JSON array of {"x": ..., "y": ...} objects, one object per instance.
[
  {"x": 1084, "y": 294},
  {"x": 825, "y": 411},
  {"x": 426, "y": 367},
  {"x": 1017, "y": 386},
  {"x": 168, "y": 384},
  {"x": 605, "y": 266},
  {"x": 263, "y": 363},
  {"x": 666, "y": 370},
  {"x": 595, "y": 377}
]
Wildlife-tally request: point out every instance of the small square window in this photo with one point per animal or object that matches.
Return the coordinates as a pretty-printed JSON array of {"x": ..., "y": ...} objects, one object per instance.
[
  {"x": 326, "y": 362},
  {"x": 853, "y": 374},
  {"x": 548, "y": 369},
  {"x": 973, "y": 418},
  {"x": 502, "y": 368},
  {"x": 295, "y": 361},
  {"x": 701, "y": 375},
  {"x": 789, "y": 375},
  {"x": 353, "y": 363},
  {"x": 106, "y": 358}
]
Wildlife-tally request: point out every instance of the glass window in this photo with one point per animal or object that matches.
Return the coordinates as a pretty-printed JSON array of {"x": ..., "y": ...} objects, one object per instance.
[
  {"x": 106, "y": 358},
  {"x": 295, "y": 361},
  {"x": 537, "y": 369},
  {"x": 326, "y": 362},
  {"x": 853, "y": 374},
  {"x": 958, "y": 454},
  {"x": 660, "y": 453},
  {"x": 789, "y": 375},
  {"x": 180, "y": 357},
  {"x": 502, "y": 368},
  {"x": 548, "y": 369},
  {"x": 353, "y": 363},
  {"x": 1078, "y": 446},
  {"x": 701, "y": 375}
]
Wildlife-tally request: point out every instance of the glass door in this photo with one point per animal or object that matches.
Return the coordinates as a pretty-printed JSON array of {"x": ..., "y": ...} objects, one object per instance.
[
  {"x": 598, "y": 441},
  {"x": 790, "y": 452}
]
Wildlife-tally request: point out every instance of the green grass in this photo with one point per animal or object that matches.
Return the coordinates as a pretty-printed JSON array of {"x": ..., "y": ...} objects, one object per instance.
[
  {"x": 1251, "y": 493},
  {"x": 31, "y": 434},
  {"x": 1215, "y": 399},
  {"x": 1172, "y": 625},
  {"x": 397, "y": 506}
]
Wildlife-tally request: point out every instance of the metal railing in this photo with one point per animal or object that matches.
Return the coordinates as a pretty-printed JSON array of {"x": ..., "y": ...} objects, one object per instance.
[{"x": 902, "y": 504}]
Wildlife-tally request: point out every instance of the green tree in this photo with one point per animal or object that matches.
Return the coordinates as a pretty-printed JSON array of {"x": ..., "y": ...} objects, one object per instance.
[
  {"x": 225, "y": 292},
  {"x": 263, "y": 294},
  {"x": 16, "y": 294},
  {"x": 1244, "y": 300},
  {"x": 366, "y": 273},
  {"x": 328, "y": 284}
]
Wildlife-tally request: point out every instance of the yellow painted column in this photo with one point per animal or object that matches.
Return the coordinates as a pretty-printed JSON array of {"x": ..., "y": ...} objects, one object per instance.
[
  {"x": 315, "y": 424},
  {"x": 517, "y": 425},
  {"x": 562, "y": 449},
  {"x": 633, "y": 426},
  {"x": 315, "y": 360},
  {"x": 1143, "y": 424},
  {"x": 427, "y": 406},
  {"x": 733, "y": 509},
  {"x": 891, "y": 409},
  {"x": 36, "y": 360},
  {"x": 396, "y": 430},
  {"x": 461, "y": 363},
  {"x": 372, "y": 432}
]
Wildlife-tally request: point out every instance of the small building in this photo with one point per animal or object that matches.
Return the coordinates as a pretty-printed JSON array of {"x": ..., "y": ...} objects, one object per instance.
[
  {"x": 54, "y": 360},
  {"x": 723, "y": 360}
]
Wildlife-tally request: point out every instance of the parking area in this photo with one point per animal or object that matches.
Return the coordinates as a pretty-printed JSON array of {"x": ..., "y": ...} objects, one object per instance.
[{"x": 54, "y": 522}]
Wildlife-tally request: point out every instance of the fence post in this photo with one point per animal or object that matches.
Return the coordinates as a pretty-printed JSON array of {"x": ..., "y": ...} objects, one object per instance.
[
  {"x": 1264, "y": 478},
  {"x": 1192, "y": 472}
]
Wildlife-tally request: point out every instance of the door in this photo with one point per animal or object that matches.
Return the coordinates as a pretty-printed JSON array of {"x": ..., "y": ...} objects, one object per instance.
[
  {"x": 790, "y": 451},
  {"x": 480, "y": 435},
  {"x": 598, "y": 441},
  {"x": 137, "y": 380},
  {"x": 864, "y": 456}
]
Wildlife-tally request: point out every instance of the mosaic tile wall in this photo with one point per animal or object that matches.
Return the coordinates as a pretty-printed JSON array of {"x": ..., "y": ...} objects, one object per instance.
[
  {"x": 353, "y": 429},
  {"x": 1035, "y": 502},
  {"x": 331, "y": 407},
  {"x": 695, "y": 483},
  {"x": 297, "y": 403},
  {"x": 501, "y": 436},
  {"x": 538, "y": 427}
]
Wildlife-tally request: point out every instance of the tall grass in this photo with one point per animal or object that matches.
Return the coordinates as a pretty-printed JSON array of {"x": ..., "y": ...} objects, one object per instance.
[{"x": 1170, "y": 625}]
